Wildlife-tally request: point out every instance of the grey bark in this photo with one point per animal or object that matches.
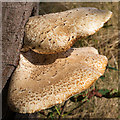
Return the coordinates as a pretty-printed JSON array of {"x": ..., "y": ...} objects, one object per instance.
[{"x": 14, "y": 18}]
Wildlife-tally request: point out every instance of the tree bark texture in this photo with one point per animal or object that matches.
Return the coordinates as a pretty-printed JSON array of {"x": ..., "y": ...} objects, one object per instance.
[{"x": 14, "y": 18}]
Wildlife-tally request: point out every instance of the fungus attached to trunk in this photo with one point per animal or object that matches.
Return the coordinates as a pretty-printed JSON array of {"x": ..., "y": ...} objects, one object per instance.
[
  {"x": 41, "y": 81},
  {"x": 57, "y": 32}
]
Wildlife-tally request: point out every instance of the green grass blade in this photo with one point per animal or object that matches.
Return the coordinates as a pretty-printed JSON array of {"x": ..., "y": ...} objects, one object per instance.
[
  {"x": 57, "y": 110},
  {"x": 112, "y": 68}
]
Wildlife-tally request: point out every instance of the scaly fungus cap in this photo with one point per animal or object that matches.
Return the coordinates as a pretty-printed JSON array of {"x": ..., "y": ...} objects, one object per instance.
[
  {"x": 57, "y": 32},
  {"x": 41, "y": 81}
]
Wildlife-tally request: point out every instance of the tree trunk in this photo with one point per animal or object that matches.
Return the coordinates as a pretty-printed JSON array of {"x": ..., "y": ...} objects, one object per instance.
[{"x": 14, "y": 17}]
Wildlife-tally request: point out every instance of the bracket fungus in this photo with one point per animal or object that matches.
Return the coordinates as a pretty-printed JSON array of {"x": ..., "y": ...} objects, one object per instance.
[
  {"x": 42, "y": 80},
  {"x": 57, "y": 32}
]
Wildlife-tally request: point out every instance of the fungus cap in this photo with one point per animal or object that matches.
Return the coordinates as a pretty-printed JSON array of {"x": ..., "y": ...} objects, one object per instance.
[
  {"x": 41, "y": 81},
  {"x": 57, "y": 32}
]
